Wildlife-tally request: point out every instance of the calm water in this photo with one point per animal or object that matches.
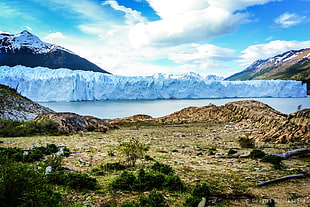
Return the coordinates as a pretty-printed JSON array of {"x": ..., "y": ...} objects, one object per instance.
[{"x": 158, "y": 108}]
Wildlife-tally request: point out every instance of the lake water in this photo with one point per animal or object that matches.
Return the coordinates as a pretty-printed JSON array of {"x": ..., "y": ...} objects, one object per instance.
[{"x": 157, "y": 108}]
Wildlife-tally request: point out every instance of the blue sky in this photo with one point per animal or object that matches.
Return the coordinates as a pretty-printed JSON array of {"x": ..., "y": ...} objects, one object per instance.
[{"x": 143, "y": 37}]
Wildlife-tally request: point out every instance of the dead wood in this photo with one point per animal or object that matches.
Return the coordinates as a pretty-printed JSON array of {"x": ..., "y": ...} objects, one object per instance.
[
  {"x": 286, "y": 155},
  {"x": 282, "y": 179},
  {"x": 295, "y": 152}
]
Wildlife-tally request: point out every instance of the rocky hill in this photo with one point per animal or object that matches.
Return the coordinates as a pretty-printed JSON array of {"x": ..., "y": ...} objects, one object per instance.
[
  {"x": 291, "y": 65},
  {"x": 17, "y": 107},
  {"x": 28, "y": 50},
  {"x": 266, "y": 123}
]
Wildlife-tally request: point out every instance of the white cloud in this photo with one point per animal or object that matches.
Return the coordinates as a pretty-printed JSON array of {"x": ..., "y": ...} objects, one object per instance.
[
  {"x": 191, "y": 26},
  {"x": 54, "y": 36},
  {"x": 190, "y": 21},
  {"x": 132, "y": 16},
  {"x": 289, "y": 19},
  {"x": 273, "y": 48},
  {"x": 200, "y": 54}
]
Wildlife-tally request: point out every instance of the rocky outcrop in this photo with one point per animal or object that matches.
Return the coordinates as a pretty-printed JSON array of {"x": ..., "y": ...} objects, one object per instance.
[
  {"x": 248, "y": 112},
  {"x": 293, "y": 129},
  {"x": 17, "y": 107},
  {"x": 72, "y": 123},
  {"x": 271, "y": 124},
  {"x": 133, "y": 119}
]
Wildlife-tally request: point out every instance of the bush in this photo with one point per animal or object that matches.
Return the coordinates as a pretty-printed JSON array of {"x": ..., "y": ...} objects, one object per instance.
[
  {"x": 80, "y": 181},
  {"x": 146, "y": 181},
  {"x": 198, "y": 192},
  {"x": 273, "y": 159},
  {"x": 257, "y": 153},
  {"x": 13, "y": 128},
  {"x": 72, "y": 180},
  {"x": 124, "y": 182},
  {"x": 113, "y": 166},
  {"x": 22, "y": 186},
  {"x": 162, "y": 168},
  {"x": 33, "y": 155},
  {"x": 232, "y": 151},
  {"x": 132, "y": 151},
  {"x": 173, "y": 183},
  {"x": 246, "y": 142},
  {"x": 154, "y": 199}
]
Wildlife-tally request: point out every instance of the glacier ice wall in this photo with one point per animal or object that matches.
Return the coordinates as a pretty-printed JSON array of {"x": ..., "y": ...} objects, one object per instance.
[{"x": 43, "y": 84}]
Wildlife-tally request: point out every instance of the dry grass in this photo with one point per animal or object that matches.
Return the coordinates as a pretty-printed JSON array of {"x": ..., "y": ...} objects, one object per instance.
[{"x": 187, "y": 149}]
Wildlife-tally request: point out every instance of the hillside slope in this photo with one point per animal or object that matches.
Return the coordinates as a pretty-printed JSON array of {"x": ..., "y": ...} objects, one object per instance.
[
  {"x": 17, "y": 107},
  {"x": 291, "y": 65}
]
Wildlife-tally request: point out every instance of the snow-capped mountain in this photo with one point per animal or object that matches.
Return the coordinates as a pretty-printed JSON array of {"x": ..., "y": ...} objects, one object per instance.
[
  {"x": 28, "y": 50},
  {"x": 291, "y": 65},
  {"x": 43, "y": 84}
]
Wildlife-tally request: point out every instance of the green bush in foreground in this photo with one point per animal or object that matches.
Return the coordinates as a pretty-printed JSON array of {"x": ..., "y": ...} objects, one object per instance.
[
  {"x": 72, "y": 180},
  {"x": 23, "y": 186},
  {"x": 146, "y": 181},
  {"x": 154, "y": 199},
  {"x": 198, "y": 192}
]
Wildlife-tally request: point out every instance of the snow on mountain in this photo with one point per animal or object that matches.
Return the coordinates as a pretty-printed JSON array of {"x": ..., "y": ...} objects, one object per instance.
[
  {"x": 10, "y": 42},
  {"x": 291, "y": 65},
  {"x": 28, "y": 50},
  {"x": 43, "y": 84}
]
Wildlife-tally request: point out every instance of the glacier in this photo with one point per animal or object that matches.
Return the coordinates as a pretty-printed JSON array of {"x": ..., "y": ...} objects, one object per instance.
[{"x": 45, "y": 85}]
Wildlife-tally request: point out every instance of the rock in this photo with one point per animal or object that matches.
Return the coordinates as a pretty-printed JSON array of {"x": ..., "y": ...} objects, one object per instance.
[
  {"x": 17, "y": 107},
  {"x": 72, "y": 123}
]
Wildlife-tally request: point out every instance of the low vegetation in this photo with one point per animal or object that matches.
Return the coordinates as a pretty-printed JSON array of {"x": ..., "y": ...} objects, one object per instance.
[
  {"x": 150, "y": 167},
  {"x": 14, "y": 128}
]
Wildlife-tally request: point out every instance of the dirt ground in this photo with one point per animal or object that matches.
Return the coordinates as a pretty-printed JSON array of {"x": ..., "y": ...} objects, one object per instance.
[{"x": 190, "y": 150}]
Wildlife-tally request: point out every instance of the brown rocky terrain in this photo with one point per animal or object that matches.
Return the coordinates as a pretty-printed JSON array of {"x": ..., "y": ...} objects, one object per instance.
[
  {"x": 271, "y": 124},
  {"x": 71, "y": 122}
]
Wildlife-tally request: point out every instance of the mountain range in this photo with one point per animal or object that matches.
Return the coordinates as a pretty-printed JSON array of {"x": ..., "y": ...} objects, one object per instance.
[
  {"x": 291, "y": 65},
  {"x": 28, "y": 50}
]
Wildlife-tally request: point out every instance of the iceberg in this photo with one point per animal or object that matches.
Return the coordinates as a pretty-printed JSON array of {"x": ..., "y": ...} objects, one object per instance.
[{"x": 44, "y": 85}]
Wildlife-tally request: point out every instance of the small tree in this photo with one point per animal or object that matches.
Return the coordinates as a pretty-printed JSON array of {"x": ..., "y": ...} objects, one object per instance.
[{"x": 132, "y": 151}]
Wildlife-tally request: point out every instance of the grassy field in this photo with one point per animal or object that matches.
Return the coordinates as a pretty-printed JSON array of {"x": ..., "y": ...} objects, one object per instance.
[{"x": 189, "y": 150}]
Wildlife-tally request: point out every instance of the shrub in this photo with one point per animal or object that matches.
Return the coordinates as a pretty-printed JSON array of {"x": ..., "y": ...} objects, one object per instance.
[
  {"x": 231, "y": 151},
  {"x": 72, "y": 180},
  {"x": 246, "y": 142},
  {"x": 124, "y": 182},
  {"x": 80, "y": 181},
  {"x": 198, "y": 192},
  {"x": 13, "y": 128},
  {"x": 132, "y": 151},
  {"x": 154, "y": 199},
  {"x": 173, "y": 183},
  {"x": 273, "y": 159},
  {"x": 257, "y": 153},
  {"x": 113, "y": 166},
  {"x": 162, "y": 168},
  {"x": 23, "y": 186},
  {"x": 148, "y": 181},
  {"x": 15, "y": 154}
]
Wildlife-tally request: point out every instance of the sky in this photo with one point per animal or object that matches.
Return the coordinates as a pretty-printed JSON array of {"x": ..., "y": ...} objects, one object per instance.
[{"x": 145, "y": 37}]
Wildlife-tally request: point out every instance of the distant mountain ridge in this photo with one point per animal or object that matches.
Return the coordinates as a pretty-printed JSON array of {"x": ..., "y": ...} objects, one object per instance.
[
  {"x": 291, "y": 65},
  {"x": 28, "y": 50}
]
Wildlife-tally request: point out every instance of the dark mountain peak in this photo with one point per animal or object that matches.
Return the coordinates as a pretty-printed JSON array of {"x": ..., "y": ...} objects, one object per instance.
[{"x": 28, "y": 50}]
